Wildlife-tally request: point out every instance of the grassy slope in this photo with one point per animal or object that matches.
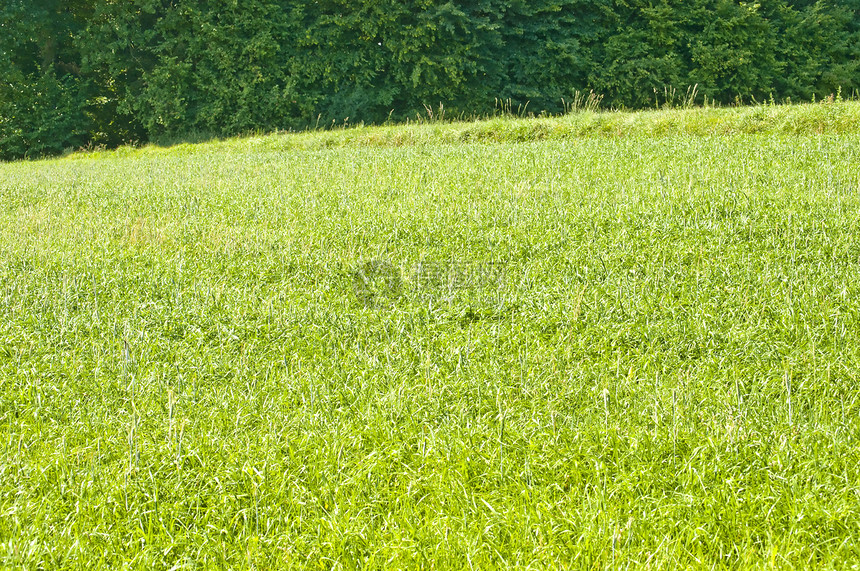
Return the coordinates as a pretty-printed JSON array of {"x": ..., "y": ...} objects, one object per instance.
[
  {"x": 841, "y": 117},
  {"x": 586, "y": 351}
]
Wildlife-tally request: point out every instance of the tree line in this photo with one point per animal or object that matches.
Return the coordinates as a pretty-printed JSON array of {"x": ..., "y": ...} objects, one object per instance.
[{"x": 107, "y": 72}]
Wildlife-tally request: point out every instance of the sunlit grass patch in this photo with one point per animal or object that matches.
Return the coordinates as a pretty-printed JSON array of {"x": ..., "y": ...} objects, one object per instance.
[{"x": 581, "y": 351}]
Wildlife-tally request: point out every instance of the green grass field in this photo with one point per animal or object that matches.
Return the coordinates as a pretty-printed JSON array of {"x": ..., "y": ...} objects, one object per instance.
[{"x": 532, "y": 345}]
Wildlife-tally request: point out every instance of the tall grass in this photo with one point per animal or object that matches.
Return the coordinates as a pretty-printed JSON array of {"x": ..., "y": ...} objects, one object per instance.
[{"x": 606, "y": 351}]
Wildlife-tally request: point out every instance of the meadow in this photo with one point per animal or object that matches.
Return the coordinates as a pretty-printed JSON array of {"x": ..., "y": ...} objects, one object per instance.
[{"x": 605, "y": 340}]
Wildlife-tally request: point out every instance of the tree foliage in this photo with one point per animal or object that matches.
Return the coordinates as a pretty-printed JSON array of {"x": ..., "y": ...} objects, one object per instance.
[{"x": 76, "y": 72}]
